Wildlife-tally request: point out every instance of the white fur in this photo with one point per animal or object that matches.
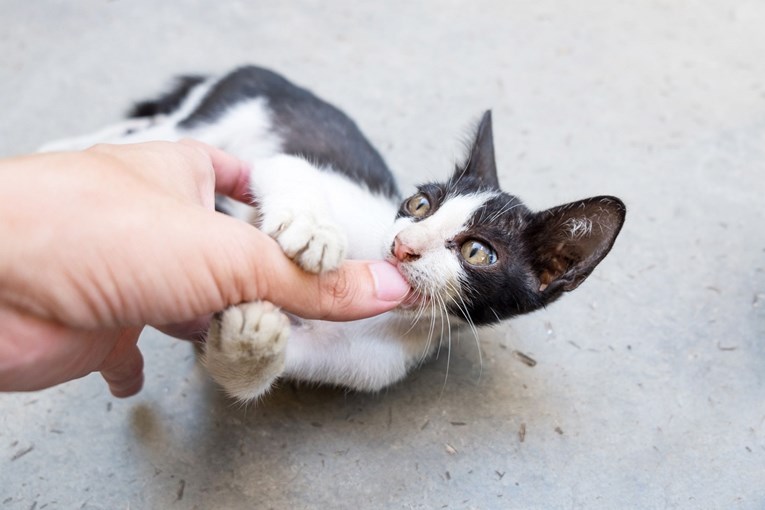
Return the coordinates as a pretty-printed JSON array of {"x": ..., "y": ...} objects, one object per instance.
[
  {"x": 579, "y": 227},
  {"x": 319, "y": 216}
]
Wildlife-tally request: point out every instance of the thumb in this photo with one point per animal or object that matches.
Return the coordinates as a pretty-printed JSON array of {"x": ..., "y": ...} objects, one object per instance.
[{"x": 356, "y": 290}]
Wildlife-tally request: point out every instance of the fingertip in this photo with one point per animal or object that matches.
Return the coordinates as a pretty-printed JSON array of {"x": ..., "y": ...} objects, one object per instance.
[
  {"x": 126, "y": 378},
  {"x": 361, "y": 289},
  {"x": 390, "y": 286},
  {"x": 126, "y": 389}
]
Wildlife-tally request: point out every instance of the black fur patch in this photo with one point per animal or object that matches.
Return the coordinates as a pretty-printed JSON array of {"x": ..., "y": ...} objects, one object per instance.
[{"x": 167, "y": 102}]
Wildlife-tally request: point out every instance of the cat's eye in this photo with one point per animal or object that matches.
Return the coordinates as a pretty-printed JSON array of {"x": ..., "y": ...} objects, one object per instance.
[
  {"x": 418, "y": 206},
  {"x": 477, "y": 253}
]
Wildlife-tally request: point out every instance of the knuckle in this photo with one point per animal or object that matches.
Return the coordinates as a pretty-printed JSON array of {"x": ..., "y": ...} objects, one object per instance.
[{"x": 337, "y": 293}]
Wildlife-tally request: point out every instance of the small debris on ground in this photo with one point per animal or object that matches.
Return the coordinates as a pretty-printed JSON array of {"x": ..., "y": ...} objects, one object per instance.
[
  {"x": 181, "y": 488},
  {"x": 21, "y": 453},
  {"x": 522, "y": 432},
  {"x": 559, "y": 430},
  {"x": 450, "y": 449},
  {"x": 525, "y": 359}
]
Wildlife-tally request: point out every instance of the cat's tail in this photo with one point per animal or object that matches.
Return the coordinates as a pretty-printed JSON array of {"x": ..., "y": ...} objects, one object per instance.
[{"x": 169, "y": 101}]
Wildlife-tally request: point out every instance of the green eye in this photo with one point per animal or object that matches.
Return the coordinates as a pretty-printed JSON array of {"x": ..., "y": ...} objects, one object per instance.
[
  {"x": 478, "y": 254},
  {"x": 418, "y": 206}
]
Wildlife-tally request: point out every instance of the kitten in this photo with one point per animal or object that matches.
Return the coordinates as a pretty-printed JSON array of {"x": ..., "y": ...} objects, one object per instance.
[{"x": 473, "y": 254}]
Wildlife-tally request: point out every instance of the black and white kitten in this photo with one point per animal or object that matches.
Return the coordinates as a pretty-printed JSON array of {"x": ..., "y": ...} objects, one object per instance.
[{"x": 471, "y": 252}]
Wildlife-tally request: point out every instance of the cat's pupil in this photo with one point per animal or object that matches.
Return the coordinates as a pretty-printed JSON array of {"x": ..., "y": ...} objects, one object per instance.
[{"x": 478, "y": 254}]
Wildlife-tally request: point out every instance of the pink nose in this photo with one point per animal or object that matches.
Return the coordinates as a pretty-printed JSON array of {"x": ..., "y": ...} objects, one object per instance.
[{"x": 403, "y": 252}]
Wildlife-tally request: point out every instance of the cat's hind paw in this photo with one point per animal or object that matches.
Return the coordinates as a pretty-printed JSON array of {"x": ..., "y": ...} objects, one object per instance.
[
  {"x": 110, "y": 134},
  {"x": 314, "y": 245},
  {"x": 246, "y": 347}
]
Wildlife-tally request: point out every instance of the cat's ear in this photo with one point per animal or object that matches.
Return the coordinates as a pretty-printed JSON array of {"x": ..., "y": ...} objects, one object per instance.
[
  {"x": 480, "y": 162},
  {"x": 568, "y": 241}
]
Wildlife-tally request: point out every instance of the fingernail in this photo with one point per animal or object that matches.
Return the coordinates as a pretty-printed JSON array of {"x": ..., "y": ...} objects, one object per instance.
[{"x": 389, "y": 284}]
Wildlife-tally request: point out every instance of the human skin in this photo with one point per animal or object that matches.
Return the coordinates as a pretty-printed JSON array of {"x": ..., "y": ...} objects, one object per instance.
[{"x": 97, "y": 244}]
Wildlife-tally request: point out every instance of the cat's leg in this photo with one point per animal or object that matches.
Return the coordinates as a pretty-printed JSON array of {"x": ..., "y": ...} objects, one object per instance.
[
  {"x": 245, "y": 348},
  {"x": 293, "y": 210},
  {"x": 133, "y": 130}
]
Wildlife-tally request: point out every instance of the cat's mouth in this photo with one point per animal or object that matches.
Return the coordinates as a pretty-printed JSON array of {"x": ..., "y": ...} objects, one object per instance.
[{"x": 417, "y": 298}]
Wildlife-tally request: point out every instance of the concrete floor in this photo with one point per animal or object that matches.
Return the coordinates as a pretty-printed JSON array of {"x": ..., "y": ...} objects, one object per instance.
[{"x": 649, "y": 391}]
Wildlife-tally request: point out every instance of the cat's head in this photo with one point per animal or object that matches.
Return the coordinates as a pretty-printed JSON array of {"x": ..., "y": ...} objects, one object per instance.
[{"x": 469, "y": 248}]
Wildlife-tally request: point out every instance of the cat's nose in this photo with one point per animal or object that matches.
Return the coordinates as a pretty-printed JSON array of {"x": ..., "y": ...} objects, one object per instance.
[{"x": 402, "y": 252}]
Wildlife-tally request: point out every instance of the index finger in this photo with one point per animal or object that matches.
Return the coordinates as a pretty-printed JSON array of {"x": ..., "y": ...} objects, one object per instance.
[{"x": 232, "y": 175}]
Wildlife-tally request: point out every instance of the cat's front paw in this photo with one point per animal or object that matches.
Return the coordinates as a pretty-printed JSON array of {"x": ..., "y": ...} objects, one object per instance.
[
  {"x": 246, "y": 348},
  {"x": 315, "y": 245}
]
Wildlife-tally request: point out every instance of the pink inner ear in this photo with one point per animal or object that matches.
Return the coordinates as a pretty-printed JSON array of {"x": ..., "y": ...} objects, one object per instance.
[{"x": 554, "y": 266}]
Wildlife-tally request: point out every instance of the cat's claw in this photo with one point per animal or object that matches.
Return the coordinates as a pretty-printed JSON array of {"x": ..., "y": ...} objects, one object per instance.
[{"x": 314, "y": 245}]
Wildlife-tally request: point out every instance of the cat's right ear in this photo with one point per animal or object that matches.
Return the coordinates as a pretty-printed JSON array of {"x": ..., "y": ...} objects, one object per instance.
[
  {"x": 568, "y": 241},
  {"x": 481, "y": 164}
]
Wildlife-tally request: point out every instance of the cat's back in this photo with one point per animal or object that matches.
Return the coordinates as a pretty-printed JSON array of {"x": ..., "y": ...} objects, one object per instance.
[{"x": 306, "y": 125}]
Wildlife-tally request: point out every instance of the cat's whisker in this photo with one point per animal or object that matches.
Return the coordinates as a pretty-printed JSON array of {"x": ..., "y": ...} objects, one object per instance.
[
  {"x": 445, "y": 312},
  {"x": 505, "y": 209},
  {"x": 424, "y": 302},
  {"x": 412, "y": 326},
  {"x": 428, "y": 343},
  {"x": 426, "y": 349},
  {"x": 416, "y": 295},
  {"x": 424, "y": 355},
  {"x": 441, "y": 309},
  {"x": 463, "y": 173},
  {"x": 433, "y": 326},
  {"x": 463, "y": 307}
]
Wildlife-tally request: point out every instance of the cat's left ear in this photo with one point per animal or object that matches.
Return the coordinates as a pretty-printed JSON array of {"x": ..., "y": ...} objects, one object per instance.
[
  {"x": 568, "y": 241},
  {"x": 481, "y": 163}
]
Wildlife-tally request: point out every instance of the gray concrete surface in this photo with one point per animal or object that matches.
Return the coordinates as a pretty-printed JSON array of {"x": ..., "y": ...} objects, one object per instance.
[{"x": 649, "y": 390}]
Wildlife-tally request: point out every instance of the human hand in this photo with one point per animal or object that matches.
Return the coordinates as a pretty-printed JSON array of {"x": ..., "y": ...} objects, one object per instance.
[{"x": 94, "y": 245}]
